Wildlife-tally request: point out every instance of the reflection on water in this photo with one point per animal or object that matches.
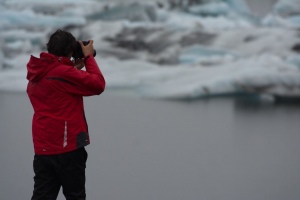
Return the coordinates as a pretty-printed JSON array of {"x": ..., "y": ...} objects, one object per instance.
[{"x": 142, "y": 149}]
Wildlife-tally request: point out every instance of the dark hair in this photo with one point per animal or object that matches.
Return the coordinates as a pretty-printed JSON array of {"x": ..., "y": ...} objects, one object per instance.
[{"x": 61, "y": 43}]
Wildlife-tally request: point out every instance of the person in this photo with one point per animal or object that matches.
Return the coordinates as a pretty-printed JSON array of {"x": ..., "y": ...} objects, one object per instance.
[{"x": 56, "y": 86}]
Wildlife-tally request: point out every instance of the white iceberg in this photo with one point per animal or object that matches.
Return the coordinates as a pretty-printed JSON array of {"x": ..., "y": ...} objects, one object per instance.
[
  {"x": 285, "y": 13},
  {"x": 29, "y": 19},
  {"x": 287, "y": 7},
  {"x": 131, "y": 12},
  {"x": 214, "y": 9},
  {"x": 224, "y": 53},
  {"x": 205, "y": 55},
  {"x": 294, "y": 60}
]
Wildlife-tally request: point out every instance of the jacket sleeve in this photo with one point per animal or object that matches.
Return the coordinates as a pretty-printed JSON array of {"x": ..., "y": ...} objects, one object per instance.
[{"x": 79, "y": 82}]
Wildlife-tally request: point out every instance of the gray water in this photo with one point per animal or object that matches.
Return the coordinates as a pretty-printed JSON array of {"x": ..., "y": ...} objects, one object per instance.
[{"x": 221, "y": 149}]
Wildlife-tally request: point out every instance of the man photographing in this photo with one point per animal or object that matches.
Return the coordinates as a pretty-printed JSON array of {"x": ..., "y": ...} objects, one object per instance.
[{"x": 59, "y": 129}]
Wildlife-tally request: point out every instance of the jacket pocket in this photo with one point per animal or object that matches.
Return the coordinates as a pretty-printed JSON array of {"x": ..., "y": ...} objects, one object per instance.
[{"x": 82, "y": 139}]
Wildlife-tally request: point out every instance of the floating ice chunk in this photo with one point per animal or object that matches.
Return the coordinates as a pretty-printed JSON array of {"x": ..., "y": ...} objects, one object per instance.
[
  {"x": 272, "y": 20},
  {"x": 287, "y": 22},
  {"x": 239, "y": 5},
  {"x": 1, "y": 59},
  {"x": 294, "y": 60},
  {"x": 13, "y": 77},
  {"x": 264, "y": 75},
  {"x": 192, "y": 83},
  {"x": 222, "y": 23},
  {"x": 220, "y": 8},
  {"x": 214, "y": 8},
  {"x": 202, "y": 54},
  {"x": 14, "y": 45},
  {"x": 99, "y": 31},
  {"x": 56, "y": 7},
  {"x": 286, "y": 13},
  {"x": 27, "y": 18},
  {"x": 129, "y": 74},
  {"x": 83, "y": 9},
  {"x": 287, "y": 7},
  {"x": 36, "y": 37},
  {"x": 18, "y": 46},
  {"x": 272, "y": 75},
  {"x": 18, "y": 62},
  {"x": 182, "y": 21},
  {"x": 12, "y": 2},
  {"x": 258, "y": 41},
  {"x": 246, "y": 71},
  {"x": 132, "y": 12},
  {"x": 293, "y": 21}
]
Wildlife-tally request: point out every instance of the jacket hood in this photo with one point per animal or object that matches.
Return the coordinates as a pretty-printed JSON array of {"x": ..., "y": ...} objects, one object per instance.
[{"x": 37, "y": 68}]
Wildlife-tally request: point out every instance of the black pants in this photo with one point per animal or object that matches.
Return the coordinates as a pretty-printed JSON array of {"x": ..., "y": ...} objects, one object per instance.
[{"x": 64, "y": 170}]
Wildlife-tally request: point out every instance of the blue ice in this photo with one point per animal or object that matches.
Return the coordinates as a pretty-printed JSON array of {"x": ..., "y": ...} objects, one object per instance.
[
  {"x": 214, "y": 8},
  {"x": 239, "y": 5},
  {"x": 132, "y": 12},
  {"x": 28, "y": 18},
  {"x": 294, "y": 60},
  {"x": 287, "y": 7},
  {"x": 218, "y": 7},
  {"x": 294, "y": 21},
  {"x": 196, "y": 53}
]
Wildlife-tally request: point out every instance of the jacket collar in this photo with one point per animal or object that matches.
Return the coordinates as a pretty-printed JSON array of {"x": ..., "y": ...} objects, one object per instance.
[{"x": 60, "y": 59}]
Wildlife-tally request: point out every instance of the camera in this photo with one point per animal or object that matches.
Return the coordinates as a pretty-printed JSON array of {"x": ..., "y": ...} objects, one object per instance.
[{"x": 78, "y": 50}]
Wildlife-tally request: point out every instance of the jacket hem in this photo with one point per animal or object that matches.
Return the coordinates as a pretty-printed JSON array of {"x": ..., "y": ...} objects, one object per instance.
[{"x": 49, "y": 153}]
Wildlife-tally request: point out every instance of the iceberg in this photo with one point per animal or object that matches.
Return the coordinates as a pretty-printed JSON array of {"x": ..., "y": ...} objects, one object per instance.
[
  {"x": 238, "y": 5},
  {"x": 294, "y": 60},
  {"x": 206, "y": 49},
  {"x": 292, "y": 22},
  {"x": 244, "y": 76},
  {"x": 212, "y": 9},
  {"x": 29, "y": 19},
  {"x": 266, "y": 74},
  {"x": 205, "y": 55},
  {"x": 22, "y": 34},
  {"x": 285, "y": 13},
  {"x": 258, "y": 41},
  {"x": 183, "y": 21},
  {"x": 132, "y": 12},
  {"x": 218, "y": 15},
  {"x": 286, "y": 8},
  {"x": 1, "y": 59}
]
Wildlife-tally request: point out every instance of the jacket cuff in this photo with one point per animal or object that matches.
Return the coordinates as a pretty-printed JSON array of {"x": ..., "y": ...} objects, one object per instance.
[{"x": 87, "y": 57}]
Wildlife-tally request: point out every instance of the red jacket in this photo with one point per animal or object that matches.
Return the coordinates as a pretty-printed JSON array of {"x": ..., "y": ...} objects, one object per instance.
[{"x": 56, "y": 91}]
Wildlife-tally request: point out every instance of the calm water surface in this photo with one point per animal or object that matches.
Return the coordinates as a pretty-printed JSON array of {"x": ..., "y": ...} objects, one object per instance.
[{"x": 220, "y": 149}]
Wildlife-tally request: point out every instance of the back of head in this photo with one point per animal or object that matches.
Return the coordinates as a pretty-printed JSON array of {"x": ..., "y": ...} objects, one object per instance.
[{"x": 61, "y": 43}]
